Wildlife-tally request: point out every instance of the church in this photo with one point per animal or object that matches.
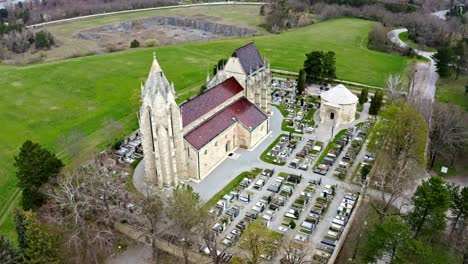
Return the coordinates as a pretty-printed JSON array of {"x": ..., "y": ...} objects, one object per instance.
[{"x": 188, "y": 141}]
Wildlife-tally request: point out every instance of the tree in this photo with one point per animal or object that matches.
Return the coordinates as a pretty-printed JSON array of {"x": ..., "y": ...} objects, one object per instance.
[
  {"x": 388, "y": 238},
  {"x": 44, "y": 39},
  {"x": 398, "y": 140},
  {"x": 219, "y": 66},
  {"x": 393, "y": 86},
  {"x": 210, "y": 238},
  {"x": 365, "y": 170},
  {"x": 431, "y": 201},
  {"x": 35, "y": 166},
  {"x": 460, "y": 60},
  {"x": 262, "y": 10},
  {"x": 153, "y": 209},
  {"x": 85, "y": 203},
  {"x": 443, "y": 58},
  {"x": 376, "y": 103},
  {"x": 313, "y": 67},
  {"x": 363, "y": 96},
  {"x": 113, "y": 129},
  {"x": 185, "y": 212},
  {"x": 293, "y": 252},
  {"x": 447, "y": 132},
  {"x": 329, "y": 68},
  {"x": 43, "y": 247},
  {"x": 458, "y": 205},
  {"x": 202, "y": 88},
  {"x": 20, "y": 228},
  {"x": 8, "y": 253},
  {"x": 257, "y": 240},
  {"x": 134, "y": 44},
  {"x": 301, "y": 82}
]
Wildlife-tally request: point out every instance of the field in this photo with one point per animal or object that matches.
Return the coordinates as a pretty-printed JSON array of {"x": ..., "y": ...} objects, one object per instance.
[
  {"x": 41, "y": 102},
  {"x": 404, "y": 37},
  {"x": 70, "y": 45},
  {"x": 453, "y": 91}
]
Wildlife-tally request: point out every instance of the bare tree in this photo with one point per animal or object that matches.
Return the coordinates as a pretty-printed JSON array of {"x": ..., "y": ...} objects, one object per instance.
[
  {"x": 85, "y": 202},
  {"x": 185, "y": 211},
  {"x": 448, "y": 132},
  {"x": 394, "y": 85},
  {"x": 153, "y": 209},
  {"x": 293, "y": 252},
  {"x": 399, "y": 140},
  {"x": 211, "y": 240}
]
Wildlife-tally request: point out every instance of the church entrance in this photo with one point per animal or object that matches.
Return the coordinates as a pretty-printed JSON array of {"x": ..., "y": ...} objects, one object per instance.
[
  {"x": 332, "y": 115},
  {"x": 228, "y": 146}
]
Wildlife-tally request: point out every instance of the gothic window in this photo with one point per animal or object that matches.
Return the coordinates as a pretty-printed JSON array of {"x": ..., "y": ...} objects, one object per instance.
[
  {"x": 151, "y": 127},
  {"x": 188, "y": 152},
  {"x": 216, "y": 143},
  {"x": 206, "y": 152}
]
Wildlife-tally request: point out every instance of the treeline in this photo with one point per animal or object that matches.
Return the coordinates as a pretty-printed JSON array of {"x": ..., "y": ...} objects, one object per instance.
[
  {"x": 423, "y": 28},
  {"x": 37, "y": 11}
]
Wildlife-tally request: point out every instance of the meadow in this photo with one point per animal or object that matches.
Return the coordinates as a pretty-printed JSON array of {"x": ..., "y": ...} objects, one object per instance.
[{"x": 42, "y": 102}]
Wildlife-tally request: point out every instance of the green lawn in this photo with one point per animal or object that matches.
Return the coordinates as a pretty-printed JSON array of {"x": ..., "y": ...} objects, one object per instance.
[
  {"x": 269, "y": 159},
  {"x": 330, "y": 145},
  {"x": 404, "y": 37},
  {"x": 453, "y": 91},
  {"x": 44, "y": 101},
  {"x": 231, "y": 186}
]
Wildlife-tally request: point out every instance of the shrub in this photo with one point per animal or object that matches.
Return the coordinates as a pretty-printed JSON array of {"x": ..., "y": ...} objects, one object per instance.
[
  {"x": 135, "y": 44},
  {"x": 151, "y": 43},
  {"x": 292, "y": 224},
  {"x": 44, "y": 40}
]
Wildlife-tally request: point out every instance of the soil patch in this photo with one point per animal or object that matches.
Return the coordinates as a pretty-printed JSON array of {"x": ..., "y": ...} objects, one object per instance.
[{"x": 167, "y": 30}]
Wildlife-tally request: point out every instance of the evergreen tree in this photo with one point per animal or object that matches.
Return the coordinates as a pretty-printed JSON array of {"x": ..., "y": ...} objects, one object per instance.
[
  {"x": 443, "y": 58},
  {"x": 262, "y": 10},
  {"x": 219, "y": 65},
  {"x": 42, "y": 246},
  {"x": 376, "y": 103},
  {"x": 363, "y": 96},
  {"x": 134, "y": 44},
  {"x": 431, "y": 201},
  {"x": 8, "y": 253},
  {"x": 301, "y": 82},
  {"x": 458, "y": 205},
  {"x": 35, "y": 166},
  {"x": 329, "y": 68},
  {"x": 388, "y": 238},
  {"x": 313, "y": 67}
]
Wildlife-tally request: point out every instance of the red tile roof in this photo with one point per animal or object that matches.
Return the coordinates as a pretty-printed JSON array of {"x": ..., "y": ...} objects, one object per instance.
[
  {"x": 242, "y": 110},
  {"x": 210, "y": 99}
]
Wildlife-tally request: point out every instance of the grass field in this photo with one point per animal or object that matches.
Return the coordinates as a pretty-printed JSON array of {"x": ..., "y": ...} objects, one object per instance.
[
  {"x": 404, "y": 37},
  {"x": 453, "y": 91},
  {"x": 44, "y": 101},
  {"x": 239, "y": 15}
]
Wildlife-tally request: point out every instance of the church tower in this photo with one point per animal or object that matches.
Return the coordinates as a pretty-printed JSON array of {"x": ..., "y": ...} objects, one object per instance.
[{"x": 161, "y": 129}]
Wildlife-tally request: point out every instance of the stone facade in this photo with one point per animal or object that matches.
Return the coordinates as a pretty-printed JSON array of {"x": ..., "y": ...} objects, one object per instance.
[
  {"x": 338, "y": 106},
  {"x": 180, "y": 144},
  {"x": 161, "y": 128}
]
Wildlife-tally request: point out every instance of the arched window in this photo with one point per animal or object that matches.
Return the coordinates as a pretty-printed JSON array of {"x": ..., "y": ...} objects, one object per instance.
[{"x": 206, "y": 151}]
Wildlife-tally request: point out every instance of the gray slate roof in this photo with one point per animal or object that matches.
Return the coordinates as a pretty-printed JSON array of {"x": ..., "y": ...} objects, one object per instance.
[{"x": 249, "y": 57}]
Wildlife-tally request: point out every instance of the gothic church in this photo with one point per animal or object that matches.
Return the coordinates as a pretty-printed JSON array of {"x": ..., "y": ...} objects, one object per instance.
[{"x": 188, "y": 141}]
